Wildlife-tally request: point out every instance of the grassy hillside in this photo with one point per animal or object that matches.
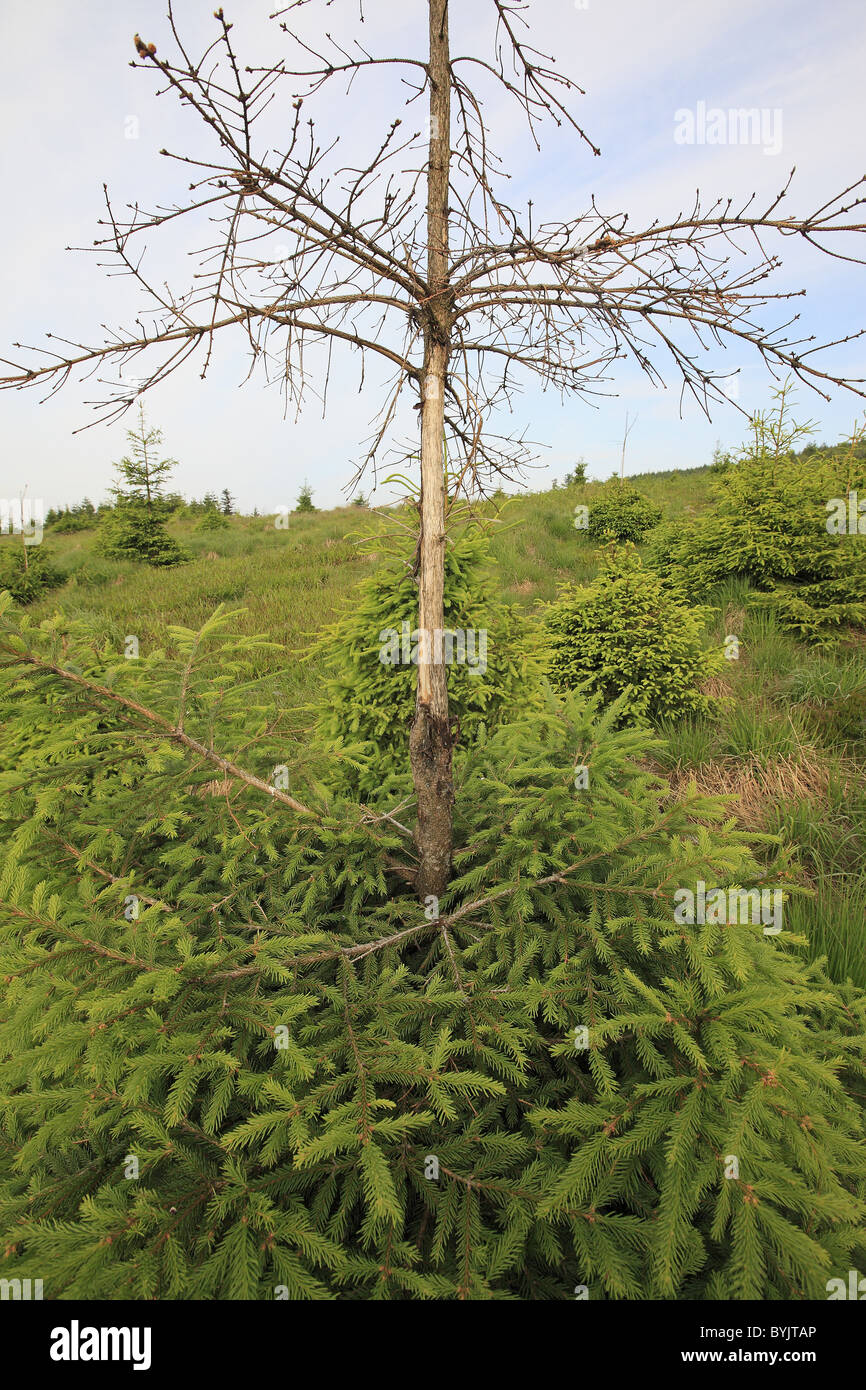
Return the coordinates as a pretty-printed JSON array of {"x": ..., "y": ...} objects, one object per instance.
[{"x": 787, "y": 743}]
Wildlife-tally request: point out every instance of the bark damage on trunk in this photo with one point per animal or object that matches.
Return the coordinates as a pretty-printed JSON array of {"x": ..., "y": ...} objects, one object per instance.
[{"x": 431, "y": 741}]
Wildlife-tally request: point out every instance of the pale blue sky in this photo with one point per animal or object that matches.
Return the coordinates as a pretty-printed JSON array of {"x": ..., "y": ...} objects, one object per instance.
[{"x": 67, "y": 96}]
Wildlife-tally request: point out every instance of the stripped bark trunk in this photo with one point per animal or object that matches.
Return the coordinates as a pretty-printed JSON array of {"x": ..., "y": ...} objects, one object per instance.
[{"x": 430, "y": 741}]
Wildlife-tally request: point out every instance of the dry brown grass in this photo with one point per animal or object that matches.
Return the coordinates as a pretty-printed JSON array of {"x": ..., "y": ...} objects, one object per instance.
[
  {"x": 717, "y": 687},
  {"x": 757, "y": 787},
  {"x": 735, "y": 618},
  {"x": 220, "y": 786}
]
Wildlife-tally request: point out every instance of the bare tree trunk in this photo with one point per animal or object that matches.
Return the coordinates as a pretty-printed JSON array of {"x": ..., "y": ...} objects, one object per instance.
[{"x": 430, "y": 740}]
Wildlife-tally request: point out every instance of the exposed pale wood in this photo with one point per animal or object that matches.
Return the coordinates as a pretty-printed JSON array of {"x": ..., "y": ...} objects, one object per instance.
[{"x": 430, "y": 739}]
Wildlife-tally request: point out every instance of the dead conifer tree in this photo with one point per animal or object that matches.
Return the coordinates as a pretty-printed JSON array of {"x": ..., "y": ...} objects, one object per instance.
[{"x": 417, "y": 259}]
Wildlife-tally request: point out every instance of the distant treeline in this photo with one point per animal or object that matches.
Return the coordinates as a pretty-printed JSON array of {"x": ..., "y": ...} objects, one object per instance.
[{"x": 84, "y": 514}]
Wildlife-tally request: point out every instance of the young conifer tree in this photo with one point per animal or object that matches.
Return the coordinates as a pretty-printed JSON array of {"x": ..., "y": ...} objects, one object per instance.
[
  {"x": 142, "y": 473},
  {"x": 790, "y": 523},
  {"x": 135, "y": 528}
]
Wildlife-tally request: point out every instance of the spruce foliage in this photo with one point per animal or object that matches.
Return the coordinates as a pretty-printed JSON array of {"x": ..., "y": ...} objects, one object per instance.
[
  {"x": 213, "y": 521},
  {"x": 142, "y": 473},
  {"x": 28, "y": 572},
  {"x": 134, "y": 530},
  {"x": 620, "y": 512},
  {"x": 627, "y": 638},
  {"x": 239, "y": 1060},
  {"x": 787, "y": 522},
  {"x": 770, "y": 526},
  {"x": 369, "y": 694},
  {"x": 305, "y": 499}
]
